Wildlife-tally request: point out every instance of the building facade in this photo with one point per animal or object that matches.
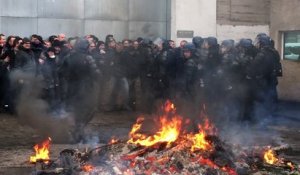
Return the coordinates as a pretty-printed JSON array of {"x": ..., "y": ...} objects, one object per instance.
[
  {"x": 123, "y": 18},
  {"x": 171, "y": 19}
]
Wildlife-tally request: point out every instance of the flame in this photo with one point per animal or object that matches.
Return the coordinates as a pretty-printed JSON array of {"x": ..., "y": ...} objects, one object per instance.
[
  {"x": 168, "y": 132},
  {"x": 171, "y": 130},
  {"x": 137, "y": 126},
  {"x": 41, "y": 151},
  {"x": 169, "y": 107},
  {"x": 87, "y": 168},
  {"x": 290, "y": 164},
  {"x": 113, "y": 141},
  {"x": 199, "y": 140},
  {"x": 270, "y": 157}
]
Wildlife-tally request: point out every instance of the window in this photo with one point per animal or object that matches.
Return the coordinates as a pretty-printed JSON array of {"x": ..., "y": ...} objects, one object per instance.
[{"x": 292, "y": 45}]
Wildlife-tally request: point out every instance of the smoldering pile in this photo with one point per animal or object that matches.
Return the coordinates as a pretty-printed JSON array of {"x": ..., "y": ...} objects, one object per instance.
[
  {"x": 123, "y": 158},
  {"x": 170, "y": 150}
]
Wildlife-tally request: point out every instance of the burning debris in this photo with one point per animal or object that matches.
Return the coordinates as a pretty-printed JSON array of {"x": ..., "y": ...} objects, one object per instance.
[
  {"x": 269, "y": 157},
  {"x": 41, "y": 152},
  {"x": 169, "y": 150}
]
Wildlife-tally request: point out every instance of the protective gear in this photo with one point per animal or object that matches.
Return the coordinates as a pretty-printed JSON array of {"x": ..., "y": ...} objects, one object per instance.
[
  {"x": 226, "y": 46},
  {"x": 264, "y": 41},
  {"x": 198, "y": 41},
  {"x": 261, "y": 35},
  {"x": 228, "y": 43},
  {"x": 245, "y": 43},
  {"x": 212, "y": 41},
  {"x": 189, "y": 47}
]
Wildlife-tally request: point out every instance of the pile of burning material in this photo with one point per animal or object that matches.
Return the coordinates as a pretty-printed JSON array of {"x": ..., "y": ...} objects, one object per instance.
[{"x": 170, "y": 150}]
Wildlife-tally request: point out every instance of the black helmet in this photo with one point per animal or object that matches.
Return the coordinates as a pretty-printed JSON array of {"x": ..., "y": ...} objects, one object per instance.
[
  {"x": 245, "y": 43},
  {"x": 261, "y": 35},
  {"x": 228, "y": 43},
  {"x": 189, "y": 47},
  {"x": 264, "y": 41},
  {"x": 212, "y": 41},
  {"x": 197, "y": 41}
]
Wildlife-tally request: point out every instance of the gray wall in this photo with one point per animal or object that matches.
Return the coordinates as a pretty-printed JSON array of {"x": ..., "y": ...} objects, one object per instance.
[
  {"x": 285, "y": 17},
  {"x": 123, "y": 18},
  {"x": 243, "y": 12}
]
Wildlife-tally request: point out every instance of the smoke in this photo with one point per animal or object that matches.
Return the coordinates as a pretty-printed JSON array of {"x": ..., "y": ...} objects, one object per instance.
[
  {"x": 34, "y": 111},
  {"x": 257, "y": 131},
  {"x": 245, "y": 134}
]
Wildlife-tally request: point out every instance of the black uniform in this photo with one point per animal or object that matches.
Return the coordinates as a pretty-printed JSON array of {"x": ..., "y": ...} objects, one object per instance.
[
  {"x": 49, "y": 71},
  {"x": 246, "y": 53},
  {"x": 160, "y": 74},
  {"x": 25, "y": 61},
  {"x": 228, "y": 76},
  {"x": 186, "y": 78},
  {"x": 80, "y": 71}
]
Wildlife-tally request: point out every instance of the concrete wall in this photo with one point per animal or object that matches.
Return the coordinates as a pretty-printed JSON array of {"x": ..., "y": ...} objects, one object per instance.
[
  {"x": 243, "y": 12},
  {"x": 123, "y": 18},
  {"x": 240, "y": 31},
  {"x": 242, "y": 18},
  {"x": 285, "y": 17},
  {"x": 198, "y": 16}
]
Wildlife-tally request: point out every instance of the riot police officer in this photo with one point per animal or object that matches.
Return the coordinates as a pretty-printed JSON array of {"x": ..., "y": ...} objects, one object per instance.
[
  {"x": 186, "y": 74},
  {"x": 228, "y": 75},
  {"x": 81, "y": 72},
  {"x": 245, "y": 55},
  {"x": 262, "y": 73}
]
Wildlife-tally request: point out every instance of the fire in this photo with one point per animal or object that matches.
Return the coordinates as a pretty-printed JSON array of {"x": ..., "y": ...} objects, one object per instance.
[
  {"x": 171, "y": 131},
  {"x": 168, "y": 132},
  {"x": 113, "y": 141},
  {"x": 87, "y": 168},
  {"x": 170, "y": 127},
  {"x": 270, "y": 157},
  {"x": 199, "y": 140},
  {"x": 41, "y": 151},
  {"x": 290, "y": 164},
  {"x": 137, "y": 126},
  {"x": 169, "y": 107}
]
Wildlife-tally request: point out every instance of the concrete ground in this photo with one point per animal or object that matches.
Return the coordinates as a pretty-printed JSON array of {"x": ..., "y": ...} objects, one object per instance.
[{"x": 17, "y": 140}]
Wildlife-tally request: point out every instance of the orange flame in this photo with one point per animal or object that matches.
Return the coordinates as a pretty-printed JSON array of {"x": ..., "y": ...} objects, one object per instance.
[
  {"x": 290, "y": 164},
  {"x": 41, "y": 152},
  {"x": 270, "y": 157},
  {"x": 169, "y": 107},
  {"x": 199, "y": 140},
  {"x": 113, "y": 141},
  {"x": 168, "y": 132},
  {"x": 87, "y": 168}
]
